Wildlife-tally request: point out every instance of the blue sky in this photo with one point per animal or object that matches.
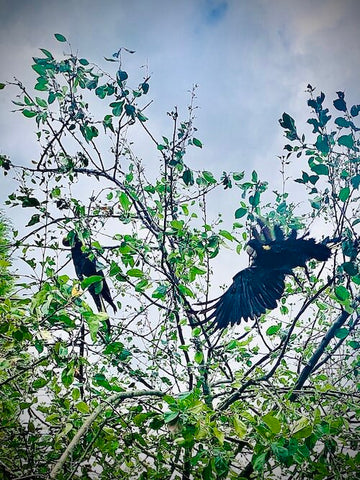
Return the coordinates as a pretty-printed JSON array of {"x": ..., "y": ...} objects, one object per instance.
[{"x": 252, "y": 61}]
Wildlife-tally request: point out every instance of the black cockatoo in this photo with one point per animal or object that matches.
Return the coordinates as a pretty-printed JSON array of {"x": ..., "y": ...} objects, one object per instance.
[
  {"x": 86, "y": 267},
  {"x": 258, "y": 287}
]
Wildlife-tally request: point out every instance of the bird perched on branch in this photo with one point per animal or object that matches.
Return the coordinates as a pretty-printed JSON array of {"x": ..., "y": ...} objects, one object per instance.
[
  {"x": 86, "y": 267},
  {"x": 258, "y": 287}
]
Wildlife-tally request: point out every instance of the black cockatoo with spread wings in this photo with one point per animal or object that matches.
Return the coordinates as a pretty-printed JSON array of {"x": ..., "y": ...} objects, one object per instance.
[
  {"x": 87, "y": 267},
  {"x": 258, "y": 287}
]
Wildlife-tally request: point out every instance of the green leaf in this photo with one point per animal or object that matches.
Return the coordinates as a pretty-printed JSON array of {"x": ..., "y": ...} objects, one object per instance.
[
  {"x": 142, "y": 285},
  {"x": 141, "y": 117},
  {"x": 197, "y": 271},
  {"x": 272, "y": 422},
  {"x": 124, "y": 201},
  {"x": 197, "y": 142},
  {"x": 196, "y": 332},
  {"x": 2, "y": 86},
  {"x": 51, "y": 97},
  {"x": 219, "y": 435},
  {"x": 145, "y": 87},
  {"x": 258, "y": 461},
  {"x": 354, "y": 344},
  {"x": 101, "y": 93},
  {"x": 346, "y": 141},
  {"x": 129, "y": 110},
  {"x": 226, "y": 234},
  {"x": 199, "y": 357},
  {"x": 170, "y": 417},
  {"x": 350, "y": 268},
  {"x": 114, "y": 269},
  {"x": 342, "y": 122},
  {"x": 280, "y": 452},
  {"x": 237, "y": 176},
  {"x": 288, "y": 123},
  {"x": 322, "y": 144},
  {"x": 177, "y": 224},
  {"x": 39, "y": 383},
  {"x": 188, "y": 177},
  {"x": 160, "y": 291},
  {"x": 273, "y": 329},
  {"x": 83, "y": 61},
  {"x": 93, "y": 321},
  {"x": 89, "y": 132},
  {"x": 355, "y": 109},
  {"x": 42, "y": 85},
  {"x": 320, "y": 169},
  {"x": 254, "y": 200},
  {"x": 59, "y": 37},
  {"x": 28, "y": 201},
  {"x": 344, "y": 194},
  {"x": 91, "y": 84},
  {"x": 340, "y": 104},
  {"x": 29, "y": 113},
  {"x": 240, "y": 212},
  {"x": 91, "y": 280},
  {"x": 67, "y": 375},
  {"x": 41, "y": 102},
  {"x": 239, "y": 427},
  {"x": 355, "y": 181},
  {"x": 135, "y": 272},
  {"x": 107, "y": 122},
  {"x": 82, "y": 407},
  {"x": 208, "y": 177},
  {"x": 302, "y": 428},
  {"x": 117, "y": 108},
  {"x": 207, "y": 473},
  {"x": 33, "y": 220},
  {"x": 186, "y": 291},
  {"x": 342, "y": 333},
  {"x": 121, "y": 76},
  {"x": 342, "y": 293}
]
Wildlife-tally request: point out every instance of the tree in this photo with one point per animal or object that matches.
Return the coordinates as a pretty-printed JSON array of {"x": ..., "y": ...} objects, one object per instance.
[{"x": 161, "y": 396}]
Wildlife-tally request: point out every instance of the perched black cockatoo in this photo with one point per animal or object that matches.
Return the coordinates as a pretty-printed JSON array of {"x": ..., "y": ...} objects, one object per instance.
[
  {"x": 258, "y": 287},
  {"x": 85, "y": 267}
]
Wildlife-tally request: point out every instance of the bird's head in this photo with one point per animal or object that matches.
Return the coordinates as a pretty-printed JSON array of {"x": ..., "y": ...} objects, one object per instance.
[
  {"x": 71, "y": 239},
  {"x": 254, "y": 245}
]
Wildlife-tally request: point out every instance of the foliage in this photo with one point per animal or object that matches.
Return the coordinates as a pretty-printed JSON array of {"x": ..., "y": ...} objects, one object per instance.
[
  {"x": 6, "y": 281},
  {"x": 162, "y": 397}
]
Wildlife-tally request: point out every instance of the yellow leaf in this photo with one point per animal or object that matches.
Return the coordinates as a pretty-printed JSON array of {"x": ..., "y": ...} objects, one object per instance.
[{"x": 76, "y": 291}]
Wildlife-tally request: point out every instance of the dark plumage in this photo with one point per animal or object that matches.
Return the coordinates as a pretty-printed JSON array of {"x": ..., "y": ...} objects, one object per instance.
[
  {"x": 86, "y": 267},
  {"x": 258, "y": 287}
]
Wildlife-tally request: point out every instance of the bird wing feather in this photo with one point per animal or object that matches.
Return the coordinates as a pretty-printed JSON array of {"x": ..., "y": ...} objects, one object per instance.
[{"x": 253, "y": 291}]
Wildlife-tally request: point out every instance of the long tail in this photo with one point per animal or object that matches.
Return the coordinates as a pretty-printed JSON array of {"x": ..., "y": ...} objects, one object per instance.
[{"x": 319, "y": 251}]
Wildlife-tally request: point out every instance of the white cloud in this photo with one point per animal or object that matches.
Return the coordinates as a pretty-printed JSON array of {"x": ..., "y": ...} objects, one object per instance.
[{"x": 252, "y": 61}]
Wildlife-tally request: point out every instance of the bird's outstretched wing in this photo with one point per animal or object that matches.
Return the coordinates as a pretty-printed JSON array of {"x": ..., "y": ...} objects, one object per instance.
[{"x": 253, "y": 291}]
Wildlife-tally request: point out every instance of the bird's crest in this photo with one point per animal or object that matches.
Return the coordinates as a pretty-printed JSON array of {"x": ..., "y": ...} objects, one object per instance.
[{"x": 264, "y": 234}]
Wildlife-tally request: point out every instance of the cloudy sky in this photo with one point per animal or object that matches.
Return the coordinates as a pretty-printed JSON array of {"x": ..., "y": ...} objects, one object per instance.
[{"x": 252, "y": 60}]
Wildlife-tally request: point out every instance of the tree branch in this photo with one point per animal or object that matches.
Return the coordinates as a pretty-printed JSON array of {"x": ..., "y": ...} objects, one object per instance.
[
  {"x": 113, "y": 399},
  {"x": 304, "y": 375}
]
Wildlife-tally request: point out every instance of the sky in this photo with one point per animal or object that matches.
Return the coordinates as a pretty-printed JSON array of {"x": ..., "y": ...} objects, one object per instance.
[{"x": 251, "y": 60}]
